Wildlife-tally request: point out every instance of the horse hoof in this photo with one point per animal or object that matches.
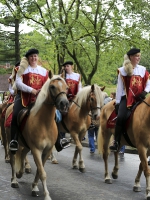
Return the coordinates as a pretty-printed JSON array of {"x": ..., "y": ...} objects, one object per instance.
[
  {"x": 35, "y": 193},
  {"x": 114, "y": 176},
  {"x": 136, "y": 189},
  {"x": 148, "y": 198},
  {"x": 75, "y": 167},
  {"x": 82, "y": 170},
  {"x": 7, "y": 160},
  {"x": 108, "y": 181},
  {"x": 14, "y": 185},
  {"x": 28, "y": 170},
  {"x": 54, "y": 162}
]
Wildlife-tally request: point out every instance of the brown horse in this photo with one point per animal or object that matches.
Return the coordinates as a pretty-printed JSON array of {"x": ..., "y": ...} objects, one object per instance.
[
  {"x": 78, "y": 120},
  {"x": 40, "y": 131},
  {"x": 138, "y": 132}
]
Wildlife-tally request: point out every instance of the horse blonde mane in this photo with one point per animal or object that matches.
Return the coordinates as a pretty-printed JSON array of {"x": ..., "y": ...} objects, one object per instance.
[
  {"x": 43, "y": 94},
  {"x": 83, "y": 94}
]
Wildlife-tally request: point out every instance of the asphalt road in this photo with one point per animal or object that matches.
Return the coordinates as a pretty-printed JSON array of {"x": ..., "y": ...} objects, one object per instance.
[{"x": 64, "y": 183}]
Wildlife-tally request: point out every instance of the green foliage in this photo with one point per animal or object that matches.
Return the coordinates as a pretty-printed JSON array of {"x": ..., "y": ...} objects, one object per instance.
[{"x": 5, "y": 70}]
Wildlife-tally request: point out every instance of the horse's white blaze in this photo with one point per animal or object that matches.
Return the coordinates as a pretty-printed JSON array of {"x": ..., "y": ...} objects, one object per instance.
[{"x": 60, "y": 84}]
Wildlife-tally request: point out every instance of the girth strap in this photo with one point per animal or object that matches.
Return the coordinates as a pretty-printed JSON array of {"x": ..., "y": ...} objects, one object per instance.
[{"x": 64, "y": 126}]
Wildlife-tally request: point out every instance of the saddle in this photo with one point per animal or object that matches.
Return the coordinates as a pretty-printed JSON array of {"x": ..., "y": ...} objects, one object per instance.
[
  {"x": 111, "y": 122},
  {"x": 22, "y": 117}
]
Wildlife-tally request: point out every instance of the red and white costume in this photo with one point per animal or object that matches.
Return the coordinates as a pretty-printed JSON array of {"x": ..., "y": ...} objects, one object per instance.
[
  {"x": 32, "y": 78},
  {"x": 73, "y": 81},
  {"x": 132, "y": 86}
]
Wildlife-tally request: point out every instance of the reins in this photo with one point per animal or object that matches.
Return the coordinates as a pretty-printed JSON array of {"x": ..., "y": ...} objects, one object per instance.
[{"x": 145, "y": 103}]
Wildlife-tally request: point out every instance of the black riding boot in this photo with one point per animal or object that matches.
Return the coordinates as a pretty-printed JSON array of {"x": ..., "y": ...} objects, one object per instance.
[
  {"x": 13, "y": 146},
  {"x": 61, "y": 143},
  {"x": 116, "y": 144}
]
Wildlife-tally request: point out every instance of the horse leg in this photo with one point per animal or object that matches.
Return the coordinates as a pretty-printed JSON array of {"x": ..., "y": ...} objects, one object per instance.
[
  {"x": 40, "y": 173},
  {"x": 21, "y": 154},
  {"x": 14, "y": 183},
  {"x": 7, "y": 156},
  {"x": 143, "y": 157},
  {"x": 78, "y": 149},
  {"x": 5, "y": 142},
  {"x": 53, "y": 158},
  {"x": 116, "y": 166},
  {"x": 137, "y": 186},
  {"x": 103, "y": 143},
  {"x": 27, "y": 166}
]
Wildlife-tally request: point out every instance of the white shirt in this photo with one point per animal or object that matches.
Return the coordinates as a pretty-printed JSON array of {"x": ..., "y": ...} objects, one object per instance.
[{"x": 138, "y": 70}]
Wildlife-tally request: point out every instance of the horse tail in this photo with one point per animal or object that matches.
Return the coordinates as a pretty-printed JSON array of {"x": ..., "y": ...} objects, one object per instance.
[{"x": 100, "y": 141}]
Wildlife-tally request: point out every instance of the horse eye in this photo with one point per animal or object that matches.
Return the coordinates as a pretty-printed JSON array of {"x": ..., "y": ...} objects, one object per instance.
[{"x": 92, "y": 99}]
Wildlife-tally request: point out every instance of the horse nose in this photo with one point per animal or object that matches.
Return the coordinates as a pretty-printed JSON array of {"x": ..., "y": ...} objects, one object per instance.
[{"x": 64, "y": 103}]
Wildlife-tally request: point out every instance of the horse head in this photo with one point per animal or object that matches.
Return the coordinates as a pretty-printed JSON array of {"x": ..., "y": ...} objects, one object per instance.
[
  {"x": 96, "y": 101},
  {"x": 58, "y": 92}
]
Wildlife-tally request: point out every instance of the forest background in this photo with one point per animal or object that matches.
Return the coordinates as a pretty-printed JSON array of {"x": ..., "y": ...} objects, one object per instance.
[{"x": 94, "y": 34}]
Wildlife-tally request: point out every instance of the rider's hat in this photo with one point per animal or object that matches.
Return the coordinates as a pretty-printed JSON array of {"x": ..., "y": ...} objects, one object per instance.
[
  {"x": 31, "y": 51},
  {"x": 133, "y": 51},
  {"x": 68, "y": 63}
]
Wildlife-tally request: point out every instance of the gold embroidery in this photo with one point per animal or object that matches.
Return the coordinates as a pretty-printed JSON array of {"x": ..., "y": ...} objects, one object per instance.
[
  {"x": 136, "y": 81},
  {"x": 35, "y": 79}
]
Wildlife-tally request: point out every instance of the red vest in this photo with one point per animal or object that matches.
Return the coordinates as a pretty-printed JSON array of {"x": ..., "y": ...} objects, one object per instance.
[
  {"x": 73, "y": 87},
  {"x": 35, "y": 81},
  {"x": 134, "y": 85}
]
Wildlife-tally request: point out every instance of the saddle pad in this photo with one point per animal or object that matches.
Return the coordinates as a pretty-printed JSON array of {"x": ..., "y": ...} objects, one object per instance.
[
  {"x": 111, "y": 122},
  {"x": 8, "y": 121}
]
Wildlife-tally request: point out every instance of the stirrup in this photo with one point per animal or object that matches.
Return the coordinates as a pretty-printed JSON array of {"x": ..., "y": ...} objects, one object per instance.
[
  {"x": 64, "y": 143},
  {"x": 114, "y": 147},
  {"x": 13, "y": 145}
]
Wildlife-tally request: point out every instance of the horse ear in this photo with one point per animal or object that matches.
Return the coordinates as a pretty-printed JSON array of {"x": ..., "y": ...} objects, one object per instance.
[
  {"x": 102, "y": 88},
  {"x": 63, "y": 74},
  {"x": 92, "y": 88},
  {"x": 50, "y": 74}
]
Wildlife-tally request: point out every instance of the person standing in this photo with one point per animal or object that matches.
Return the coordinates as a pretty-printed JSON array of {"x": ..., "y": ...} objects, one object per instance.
[
  {"x": 132, "y": 87},
  {"x": 92, "y": 133}
]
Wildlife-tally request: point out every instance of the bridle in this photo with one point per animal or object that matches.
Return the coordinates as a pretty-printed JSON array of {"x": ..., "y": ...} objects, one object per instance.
[{"x": 54, "y": 98}]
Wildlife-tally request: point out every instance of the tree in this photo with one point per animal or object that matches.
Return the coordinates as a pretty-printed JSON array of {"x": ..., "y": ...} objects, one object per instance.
[
  {"x": 10, "y": 18},
  {"x": 86, "y": 30}
]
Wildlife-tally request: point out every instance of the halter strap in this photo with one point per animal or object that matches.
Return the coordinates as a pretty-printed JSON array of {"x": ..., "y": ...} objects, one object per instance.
[{"x": 55, "y": 98}]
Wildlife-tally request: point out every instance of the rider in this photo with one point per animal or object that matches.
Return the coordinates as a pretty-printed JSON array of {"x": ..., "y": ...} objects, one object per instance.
[
  {"x": 30, "y": 78},
  {"x": 133, "y": 85},
  {"x": 73, "y": 80}
]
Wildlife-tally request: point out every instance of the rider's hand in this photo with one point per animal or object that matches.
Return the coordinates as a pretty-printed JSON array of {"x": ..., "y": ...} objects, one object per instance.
[
  {"x": 142, "y": 95},
  {"x": 116, "y": 108},
  {"x": 34, "y": 91}
]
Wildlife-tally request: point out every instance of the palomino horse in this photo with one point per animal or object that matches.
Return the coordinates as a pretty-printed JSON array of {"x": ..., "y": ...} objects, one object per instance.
[
  {"x": 4, "y": 140},
  {"x": 77, "y": 120},
  {"x": 40, "y": 131},
  {"x": 138, "y": 133}
]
